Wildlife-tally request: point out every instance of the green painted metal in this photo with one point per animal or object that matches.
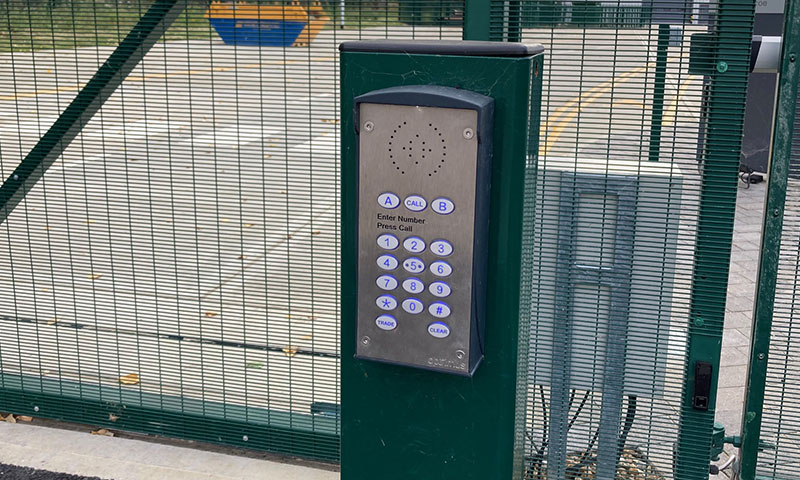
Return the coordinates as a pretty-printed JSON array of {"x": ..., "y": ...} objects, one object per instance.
[
  {"x": 714, "y": 231},
  {"x": 477, "y": 20},
  {"x": 401, "y": 423},
  {"x": 783, "y": 134},
  {"x": 109, "y": 76},
  {"x": 174, "y": 416},
  {"x": 657, "y": 113}
]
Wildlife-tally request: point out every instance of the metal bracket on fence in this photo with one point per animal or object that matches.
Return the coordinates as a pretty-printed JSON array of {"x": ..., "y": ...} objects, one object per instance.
[{"x": 92, "y": 96}]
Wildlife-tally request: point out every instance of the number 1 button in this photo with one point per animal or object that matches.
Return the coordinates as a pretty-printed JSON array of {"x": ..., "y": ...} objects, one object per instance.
[{"x": 388, "y": 241}]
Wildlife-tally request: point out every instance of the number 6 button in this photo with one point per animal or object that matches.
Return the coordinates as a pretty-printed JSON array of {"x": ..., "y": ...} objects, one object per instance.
[
  {"x": 414, "y": 244},
  {"x": 441, "y": 248}
]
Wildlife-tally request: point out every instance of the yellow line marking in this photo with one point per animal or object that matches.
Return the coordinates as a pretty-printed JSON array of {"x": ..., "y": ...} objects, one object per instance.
[
  {"x": 149, "y": 76},
  {"x": 672, "y": 110}
]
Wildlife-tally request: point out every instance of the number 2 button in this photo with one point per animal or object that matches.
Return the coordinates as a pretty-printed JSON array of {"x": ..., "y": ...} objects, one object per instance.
[{"x": 414, "y": 244}]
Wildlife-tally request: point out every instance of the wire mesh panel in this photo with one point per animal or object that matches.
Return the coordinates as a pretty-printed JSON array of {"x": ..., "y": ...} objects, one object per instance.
[
  {"x": 176, "y": 269},
  {"x": 624, "y": 256}
]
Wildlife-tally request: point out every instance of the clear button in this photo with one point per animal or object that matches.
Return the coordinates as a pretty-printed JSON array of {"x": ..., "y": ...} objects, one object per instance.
[
  {"x": 415, "y": 203},
  {"x": 388, "y": 200},
  {"x": 439, "y": 330},
  {"x": 386, "y": 282},
  {"x": 386, "y": 302},
  {"x": 443, "y": 206},
  {"x": 439, "y": 310},
  {"x": 412, "y": 305},
  {"x": 386, "y": 322}
]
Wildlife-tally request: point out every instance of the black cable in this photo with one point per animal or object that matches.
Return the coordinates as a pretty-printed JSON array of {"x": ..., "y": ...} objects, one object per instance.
[{"x": 630, "y": 416}]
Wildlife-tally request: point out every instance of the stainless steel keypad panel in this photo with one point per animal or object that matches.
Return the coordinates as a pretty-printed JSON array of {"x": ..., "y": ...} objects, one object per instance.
[{"x": 418, "y": 168}]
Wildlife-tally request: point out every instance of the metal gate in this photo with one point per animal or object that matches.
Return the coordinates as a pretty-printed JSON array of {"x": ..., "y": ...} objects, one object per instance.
[{"x": 174, "y": 269}]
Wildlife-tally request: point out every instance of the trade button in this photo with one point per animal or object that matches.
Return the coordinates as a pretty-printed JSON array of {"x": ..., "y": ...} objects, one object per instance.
[
  {"x": 386, "y": 322},
  {"x": 388, "y": 200},
  {"x": 415, "y": 203},
  {"x": 439, "y": 330},
  {"x": 443, "y": 206}
]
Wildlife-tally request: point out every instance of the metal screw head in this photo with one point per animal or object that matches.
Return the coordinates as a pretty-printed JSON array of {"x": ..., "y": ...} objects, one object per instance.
[
  {"x": 35, "y": 409},
  {"x": 365, "y": 340},
  {"x": 460, "y": 354},
  {"x": 699, "y": 322},
  {"x": 792, "y": 57},
  {"x": 245, "y": 438},
  {"x": 776, "y": 213},
  {"x": 16, "y": 177},
  {"x": 722, "y": 67},
  {"x": 468, "y": 133},
  {"x": 761, "y": 356},
  {"x": 369, "y": 126}
]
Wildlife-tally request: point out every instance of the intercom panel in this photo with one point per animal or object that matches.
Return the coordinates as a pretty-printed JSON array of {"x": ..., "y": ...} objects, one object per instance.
[{"x": 424, "y": 165}]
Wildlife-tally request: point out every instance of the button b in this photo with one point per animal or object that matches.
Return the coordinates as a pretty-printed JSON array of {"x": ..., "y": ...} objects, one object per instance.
[
  {"x": 443, "y": 206},
  {"x": 388, "y": 200}
]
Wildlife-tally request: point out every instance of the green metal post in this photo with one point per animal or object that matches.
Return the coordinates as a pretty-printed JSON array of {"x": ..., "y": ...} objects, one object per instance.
[
  {"x": 771, "y": 241},
  {"x": 109, "y": 76},
  {"x": 659, "y": 83},
  {"x": 404, "y": 423},
  {"x": 477, "y": 20},
  {"x": 728, "y": 86}
]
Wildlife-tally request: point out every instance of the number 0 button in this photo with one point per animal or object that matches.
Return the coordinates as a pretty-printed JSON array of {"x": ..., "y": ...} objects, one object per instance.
[
  {"x": 414, "y": 244},
  {"x": 388, "y": 241},
  {"x": 441, "y": 248},
  {"x": 413, "y": 306},
  {"x": 386, "y": 282}
]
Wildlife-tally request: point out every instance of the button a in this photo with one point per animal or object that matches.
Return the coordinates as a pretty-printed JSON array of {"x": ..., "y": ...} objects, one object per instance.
[
  {"x": 415, "y": 203},
  {"x": 387, "y": 322},
  {"x": 439, "y": 330},
  {"x": 388, "y": 200}
]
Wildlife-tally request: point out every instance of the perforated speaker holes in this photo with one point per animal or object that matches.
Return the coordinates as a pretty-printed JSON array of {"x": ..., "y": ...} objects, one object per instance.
[{"x": 423, "y": 147}]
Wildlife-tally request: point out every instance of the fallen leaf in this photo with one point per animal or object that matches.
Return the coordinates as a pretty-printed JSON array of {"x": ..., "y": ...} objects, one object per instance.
[
  {"x": 48, "y": 227},
  {"x": 254, "y": 365},
  {"x": 290, "y": 351},
  {"x": 24, "y": 418},
  {"x": 248, "y": 225},
  {"x": 113, "y": 417},
  {"x": 52, "y": 321},
  {"x": 242, "y": 257},
  {"x": 211, "y": 314},
  {"x": 224, "y": 220},
  {"x": 45, "y": 372},
  {"x": 103, "y": 431},
  {"x": 316, "y": 232},
  {"x": 129, "y": 379},
  {"x": 199, "y": 228},
  {"x": 45, "y": 289},
  {"x": 95, "y": 276},
  {"x": 89, "y": 222},
  {"x": 307, "y": 337},
  {"x": 10, "y": 419},
  {"x": 267, "y": 156}
]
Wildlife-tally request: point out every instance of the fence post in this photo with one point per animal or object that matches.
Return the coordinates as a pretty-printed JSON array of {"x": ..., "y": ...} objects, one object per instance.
[
  {"x": 779, "y": 164},
  {"x": 477, "y": 20}
]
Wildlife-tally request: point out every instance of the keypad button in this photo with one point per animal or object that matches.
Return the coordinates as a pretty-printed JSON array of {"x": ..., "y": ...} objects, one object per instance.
[
  {"x": 386, "y": 302},
  {"x": 439, "y": 330},
  {"x": 386, "y": 282},
  {"x": 386, "y": 322},
  {"x": 388, "y": 241},
  {"x": 388, "y": 200},
  {"x": 387, "y": 262},
  {"x": 441, "y": 248},
  {"x": 412, "y": 305},
  {"x": 413, "y": 285},
  {"x": 414, "y": 244},
  {"x": 440, "y": 268},
  {"x": 413, "y": 265},
  {"x": 415, "y": 203},
  {"x": 439, "y": 289},
  {"x": 439, "y": 310},
  {"x": 443, "y": 206}
]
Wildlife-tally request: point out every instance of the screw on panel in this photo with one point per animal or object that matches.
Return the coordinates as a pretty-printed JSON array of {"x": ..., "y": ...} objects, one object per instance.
[
  {"x": 776, "y": 212},
  {"x": 16, "y": 177},
  {"x": 460, "y": 354},
  {"x": 792, "y": 57},
  {"x": 369, "y": 126},
  {"x": 245, "y": 438},
  {"x": 468, "y": 133},
  {"x": 761, "y": 356},
  {"x": 35, "y": 408},
  {"x": 722, "y": 67},
  {"x": 365, "y": 340}
]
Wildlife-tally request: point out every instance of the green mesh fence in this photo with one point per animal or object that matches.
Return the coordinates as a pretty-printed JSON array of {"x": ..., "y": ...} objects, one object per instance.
[
  {"x": 175, "y": 270},
  {"x": 629, "y": 212}
]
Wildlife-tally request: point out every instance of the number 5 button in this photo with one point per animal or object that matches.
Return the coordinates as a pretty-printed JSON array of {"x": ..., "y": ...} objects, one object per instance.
[{"x": 441, "y": 248}]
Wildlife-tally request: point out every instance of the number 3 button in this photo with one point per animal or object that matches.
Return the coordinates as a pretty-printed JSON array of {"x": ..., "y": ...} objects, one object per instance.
[{"x": 441, "y": 248}]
